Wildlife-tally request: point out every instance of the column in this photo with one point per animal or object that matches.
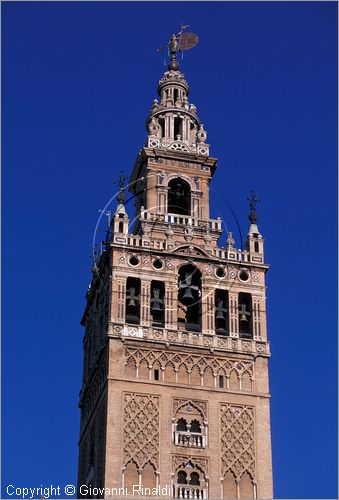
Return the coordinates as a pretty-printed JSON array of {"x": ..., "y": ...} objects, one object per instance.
[
  {"x": 145, "y": 293},
  {"x": 256, "y": 318},
  {"x": 171, "y": 305},
  {"x": 208, "y": 307},
  {"x": 118, "y": 299},
  {"x": 233, "y": 314}
]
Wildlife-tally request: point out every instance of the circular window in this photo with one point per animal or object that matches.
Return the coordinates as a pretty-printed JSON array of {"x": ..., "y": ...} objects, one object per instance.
[
  {"x": 220, "y": 272},
  {"x": 134, "y": 261},
  {"x": 244, "y": 276},
  {"x": 158, "y": 264}
]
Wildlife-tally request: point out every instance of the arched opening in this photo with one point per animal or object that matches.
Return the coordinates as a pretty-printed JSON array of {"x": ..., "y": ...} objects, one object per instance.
[
  {"x": 133, "y": 301},
  {"x": 182, "y": 477},
  {"x": 179, "y": 197},
  {"x": 148, "y": 476},
  {"x": 181, "y": 425},
  {"x": 189, "y": 298},
  {"x": 157, "y": 302},
  {"x": 229, "y": 486},
  {"x": 246, "y": 486},
  {"x": 195, "y": 426},
  {"x": 256, "y": 246},
  {"x": 177, "y": 127},
  {"x": 245, "y": 315},
  {"x": 221, "y": 312},
  {"x": 131, "y": 474},
  {"x": 194, "y": 479}
]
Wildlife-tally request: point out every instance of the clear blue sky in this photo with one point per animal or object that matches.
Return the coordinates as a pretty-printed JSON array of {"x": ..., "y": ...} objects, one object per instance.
[{"x": 78, "y": 81}]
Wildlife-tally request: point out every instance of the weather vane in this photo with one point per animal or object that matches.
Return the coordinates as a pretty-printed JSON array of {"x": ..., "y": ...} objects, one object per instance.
[
  {"x": 122, "y": 186},
  {"x": 252, "y": 201},
  {"x": 178, "y": 43}
]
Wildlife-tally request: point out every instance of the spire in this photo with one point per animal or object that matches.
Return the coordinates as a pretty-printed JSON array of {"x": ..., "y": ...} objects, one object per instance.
[
  {"x": 173, "y": 122},
  {"x": 255, "y": 242}
]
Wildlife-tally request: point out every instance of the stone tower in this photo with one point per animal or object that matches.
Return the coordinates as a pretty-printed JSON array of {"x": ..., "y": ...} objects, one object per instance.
[{"x": 175, "y": 397}]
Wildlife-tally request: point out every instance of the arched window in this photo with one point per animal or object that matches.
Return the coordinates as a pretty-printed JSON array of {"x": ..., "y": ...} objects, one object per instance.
[
  {"x": 194, "y": 479},
  {"x": 256, "y": 246},
  {"x": 195, "y": 426},
  {"x": 182, "y": 425},
  {"x": 182, "y": 477},
  {"x": 179, "y": 197}
]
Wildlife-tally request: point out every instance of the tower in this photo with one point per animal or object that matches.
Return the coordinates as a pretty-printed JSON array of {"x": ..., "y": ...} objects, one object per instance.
[{"x": 175, "y": 395}]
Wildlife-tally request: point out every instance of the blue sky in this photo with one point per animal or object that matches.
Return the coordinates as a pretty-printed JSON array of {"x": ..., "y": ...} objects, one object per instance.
[{"x": 78, "y": 81}]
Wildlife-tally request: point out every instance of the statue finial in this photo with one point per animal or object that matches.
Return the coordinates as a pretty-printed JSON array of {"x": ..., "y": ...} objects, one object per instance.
[
  {"x": 122, "y": 186},
  {"x": 253, "y": 200},
  {"x": 178, "y": 43}
]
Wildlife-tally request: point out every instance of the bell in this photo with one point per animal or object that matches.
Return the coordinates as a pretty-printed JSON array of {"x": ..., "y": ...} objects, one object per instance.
[
  {"x": 243, "y": 313},
  {"x": 156, "y": 302},
  {"x": 186, "y": 284},
  {"x": 220, "y": 310},
  {"x": 188, "y": 293},
  {"x": 132, "y": 299}
]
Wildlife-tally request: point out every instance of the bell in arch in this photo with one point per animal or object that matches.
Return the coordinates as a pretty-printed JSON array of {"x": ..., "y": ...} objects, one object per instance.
[
  {"x": 156, "y": 301},
  {"x": 187, "y": 287},
  {"x": 243, "y": 313},
  {"x": 220, "y": 310},
  {"x": 132, "y": 298}
]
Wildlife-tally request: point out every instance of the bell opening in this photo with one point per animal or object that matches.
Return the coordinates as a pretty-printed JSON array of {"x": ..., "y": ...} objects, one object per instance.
[
  {"x": 245, "y": 315},
  {"x": 221, "y": 312},
  {"x": 157, "y": 303},
  {"x": 133, "y": 301},
  {"x": 179, "y": 197},
  {"x": 189, "y": 298}
]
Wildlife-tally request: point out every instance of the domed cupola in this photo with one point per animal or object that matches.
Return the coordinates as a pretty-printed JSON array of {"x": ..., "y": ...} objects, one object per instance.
[{"x": 173, "y": 122}]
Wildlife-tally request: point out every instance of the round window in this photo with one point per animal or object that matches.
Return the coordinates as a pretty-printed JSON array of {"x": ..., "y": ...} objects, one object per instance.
[
  {"x": 244, "y": 276},
  {"x": 158, "y": 264},
  {"x": 134, "y": 261},
  {"x": 220, "y": 272}
]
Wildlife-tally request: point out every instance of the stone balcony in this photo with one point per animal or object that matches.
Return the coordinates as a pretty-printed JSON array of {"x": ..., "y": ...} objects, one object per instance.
[
  {"x": 188, "y": 491},
  {"x": 189, "y": 439},
  {"x": 256, "y": 346},
  {"x": 182, "y": 220}
]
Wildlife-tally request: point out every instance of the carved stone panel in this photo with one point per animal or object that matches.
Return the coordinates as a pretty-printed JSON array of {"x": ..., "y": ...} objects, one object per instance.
[
  {"x": 237, "y": 439},
  {"x": 141, "y": 429}
]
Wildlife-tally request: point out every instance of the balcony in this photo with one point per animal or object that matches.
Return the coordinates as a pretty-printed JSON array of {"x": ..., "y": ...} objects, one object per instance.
[
  {"x": 190, "y": 440},
  {"x": 188, "y": 491}
]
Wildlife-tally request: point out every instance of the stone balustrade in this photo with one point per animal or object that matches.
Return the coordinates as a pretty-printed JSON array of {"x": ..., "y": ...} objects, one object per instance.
[
  {"x": 189, "y": 439},
  {"x": 188, "y": 491},
  {"x": 256, "y": 346}
]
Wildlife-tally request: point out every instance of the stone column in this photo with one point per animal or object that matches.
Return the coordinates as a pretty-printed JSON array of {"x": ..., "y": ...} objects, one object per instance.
[
  {"x": 145, "y": 293},
  {"x": 171, "y": 305},
  {"x": 233, "y": 314},
  {"x": 118, "y": 299},
  {"x": 208, "y": 303},
  {"x": 256, "y": 318}
]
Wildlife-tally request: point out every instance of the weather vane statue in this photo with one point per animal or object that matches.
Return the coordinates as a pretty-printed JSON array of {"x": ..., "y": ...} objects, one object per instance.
[
  {"x": 122, "y": 186},
  {"x": 252, "y": 201},
  {"x": 178, "y": 43}
]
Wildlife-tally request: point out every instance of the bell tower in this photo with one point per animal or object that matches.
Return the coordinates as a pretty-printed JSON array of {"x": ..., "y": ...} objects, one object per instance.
[{"x": 175, "y": 395}]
